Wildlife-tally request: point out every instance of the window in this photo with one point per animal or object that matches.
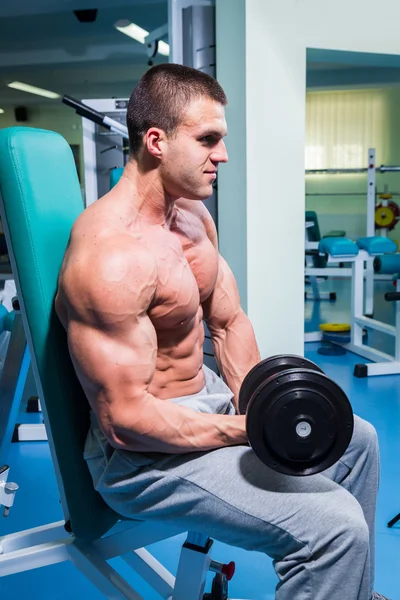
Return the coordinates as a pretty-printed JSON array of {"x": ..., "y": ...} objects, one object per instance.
[{"x": 342, "y": 125}]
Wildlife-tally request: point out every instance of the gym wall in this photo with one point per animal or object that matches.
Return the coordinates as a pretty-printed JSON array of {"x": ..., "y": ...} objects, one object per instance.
[{"x": 57, "y": 118}]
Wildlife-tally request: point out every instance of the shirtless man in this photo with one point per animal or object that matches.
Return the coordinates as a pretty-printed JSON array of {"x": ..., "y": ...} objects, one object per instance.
[{"x": 140, "y": 274}]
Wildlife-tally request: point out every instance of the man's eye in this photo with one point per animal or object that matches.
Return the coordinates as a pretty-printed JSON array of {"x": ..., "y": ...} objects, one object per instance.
[{"x": 208, "y": 139}]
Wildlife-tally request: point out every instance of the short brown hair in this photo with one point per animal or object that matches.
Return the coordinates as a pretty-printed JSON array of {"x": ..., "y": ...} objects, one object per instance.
[{"x": 161, "y": 97}]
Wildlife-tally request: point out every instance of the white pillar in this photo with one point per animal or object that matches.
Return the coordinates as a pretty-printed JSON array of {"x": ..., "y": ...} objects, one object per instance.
[
  {"x": 232, "y": 177},
  {"x": 261, "y": 189}
]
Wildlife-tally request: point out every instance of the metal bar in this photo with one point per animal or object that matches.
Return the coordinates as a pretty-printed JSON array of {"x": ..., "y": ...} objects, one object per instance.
[
  {"x": 152, "y": 571},
  {"x": 386, "y": 368},
  {"x": 337, "y": 194},
  {"x": 388, "y": 169},
  {"x": 134, "y": 537},
  {"x": 397, "y": 325},
  {"x": 93, "y": 115},
  {"x": 357, "y": 293},
  {"x": 369, "y": 353},
  {"x": 34, "y": 557},
  {"x": 371, "y": 189},
  {"x": 369, "y": 287},
  {"x": 316, "y": 194},
  {"x": 100, "y": 573},
  {"x": 371, "y": 197},
  {"x": 376, "y": 325},
  {"x": 12, "y": 382},
  {"x": 32, "y": 537},
  {"x": 381, "y": 169},
  {"x": 157, "y": 34},
  {"x": 335, "y": 171},
  {"x": 192, "y": 572},
  {"x": 328, "y": 272}
]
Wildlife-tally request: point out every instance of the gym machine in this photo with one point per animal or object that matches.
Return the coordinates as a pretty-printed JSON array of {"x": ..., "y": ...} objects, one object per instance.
[
  {"x": 382, "y": 216},
  {"x": 357, "y": 253},
  {"x": 13, "y": 379}
]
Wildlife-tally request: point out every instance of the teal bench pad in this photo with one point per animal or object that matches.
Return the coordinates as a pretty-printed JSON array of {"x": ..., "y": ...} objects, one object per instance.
[
  {"x": 337, "y": 247},
  {"x": 377, "y": 245},
  {"x": 387, "y": 264},
  {"x": 115, "y": 175}
]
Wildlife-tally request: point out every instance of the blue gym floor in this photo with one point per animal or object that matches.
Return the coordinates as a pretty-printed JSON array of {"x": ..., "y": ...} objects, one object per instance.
[{"x": 375, "y": 399}]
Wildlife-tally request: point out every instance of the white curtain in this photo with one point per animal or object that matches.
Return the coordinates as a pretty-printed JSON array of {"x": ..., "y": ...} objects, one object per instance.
[{"x": 342, "y": 125}]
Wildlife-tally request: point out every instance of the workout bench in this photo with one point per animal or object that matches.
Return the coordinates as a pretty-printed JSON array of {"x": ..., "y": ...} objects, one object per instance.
[
  {"x": 365, "y": 250},
  {"x": 40, "y": 201}
]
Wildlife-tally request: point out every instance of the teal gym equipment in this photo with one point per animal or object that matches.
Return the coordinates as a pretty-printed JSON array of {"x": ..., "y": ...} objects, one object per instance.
[{"x": 90, "y": 533}]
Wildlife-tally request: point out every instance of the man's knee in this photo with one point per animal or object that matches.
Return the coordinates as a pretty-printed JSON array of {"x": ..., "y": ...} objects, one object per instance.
[
  {"x": 364, "y": 435},
  {"x": 356, "y": 532},
  {"x": 342, "y": 519}
]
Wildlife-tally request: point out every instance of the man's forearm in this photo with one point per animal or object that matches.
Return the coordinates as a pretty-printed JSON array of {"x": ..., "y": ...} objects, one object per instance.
[
  {"x": 151, "y": 425},
  {"x": 236, "y": 351}
]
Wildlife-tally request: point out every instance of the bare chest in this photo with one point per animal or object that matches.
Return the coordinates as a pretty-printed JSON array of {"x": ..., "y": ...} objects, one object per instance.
[{"x": 187, "y": 267}]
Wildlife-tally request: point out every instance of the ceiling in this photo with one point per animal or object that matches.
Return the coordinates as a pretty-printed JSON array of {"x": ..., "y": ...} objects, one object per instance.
[
  {"x": 341, "y": 69},
  {"x": 42, "y": 43}
]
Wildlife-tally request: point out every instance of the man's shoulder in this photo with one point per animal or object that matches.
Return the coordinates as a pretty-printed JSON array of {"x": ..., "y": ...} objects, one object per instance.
[
  {"x": 116, "y": 252},
  {"x": 99, "y": 256},
  {"x": 100, "y": 238},
  {"x": 117, "y": 271}
]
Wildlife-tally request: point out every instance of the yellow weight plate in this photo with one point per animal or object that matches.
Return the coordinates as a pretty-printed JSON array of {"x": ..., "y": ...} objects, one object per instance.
[
  {"x": 384, "y": 216},
  {"x": 335, "y": 327}
]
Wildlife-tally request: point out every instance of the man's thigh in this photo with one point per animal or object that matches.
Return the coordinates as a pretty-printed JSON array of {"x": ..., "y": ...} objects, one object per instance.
[{"x": 230, "y": 495}]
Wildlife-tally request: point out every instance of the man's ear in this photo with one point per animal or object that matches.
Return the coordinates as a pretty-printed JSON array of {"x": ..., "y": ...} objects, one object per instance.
[{"x": 154, "y": 140}]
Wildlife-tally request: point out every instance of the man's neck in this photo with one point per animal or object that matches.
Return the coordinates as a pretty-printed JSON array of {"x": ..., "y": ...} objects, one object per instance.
[{"x": 148, "y": 197}]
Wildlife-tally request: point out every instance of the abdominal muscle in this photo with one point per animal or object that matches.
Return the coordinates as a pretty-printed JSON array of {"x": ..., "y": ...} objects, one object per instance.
[{"x": 179, "y": 363}]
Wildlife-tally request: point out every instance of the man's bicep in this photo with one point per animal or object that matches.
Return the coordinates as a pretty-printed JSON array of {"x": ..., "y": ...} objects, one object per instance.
[{"x": 223, "y": 305}]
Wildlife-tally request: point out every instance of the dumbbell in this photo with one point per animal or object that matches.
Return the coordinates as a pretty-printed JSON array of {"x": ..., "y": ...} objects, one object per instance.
[{"x": 298, "y": 421}]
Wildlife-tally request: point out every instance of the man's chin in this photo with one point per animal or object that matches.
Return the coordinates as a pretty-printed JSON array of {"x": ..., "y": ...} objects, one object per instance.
[{"x": 202, "y": 194}]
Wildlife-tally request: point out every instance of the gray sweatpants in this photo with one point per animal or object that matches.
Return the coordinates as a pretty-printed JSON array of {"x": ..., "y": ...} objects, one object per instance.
[{"x": 319, "y": 530}]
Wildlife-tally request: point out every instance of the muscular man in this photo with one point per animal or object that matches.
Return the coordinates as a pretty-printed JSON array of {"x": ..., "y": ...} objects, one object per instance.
[{"x": 141, "y": 273}]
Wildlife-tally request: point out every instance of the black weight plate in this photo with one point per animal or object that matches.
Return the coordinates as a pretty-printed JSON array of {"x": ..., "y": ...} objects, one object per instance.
[
  {"x": 332, "y": 350},
  {"x": 312, "y": 403},
  {"x": 267, "y": 367},
  {"x": 340, "y": 337}
]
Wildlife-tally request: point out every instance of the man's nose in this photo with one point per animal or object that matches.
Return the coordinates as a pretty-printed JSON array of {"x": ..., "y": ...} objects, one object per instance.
[{"x": 220, "y": 154}]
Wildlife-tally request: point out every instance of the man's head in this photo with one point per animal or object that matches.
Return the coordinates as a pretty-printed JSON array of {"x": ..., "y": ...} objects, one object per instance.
[{"x": 176, "y": 118}]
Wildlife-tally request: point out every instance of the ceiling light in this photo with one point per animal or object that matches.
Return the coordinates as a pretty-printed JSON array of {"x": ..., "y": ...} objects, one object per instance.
[
  {"x": 163, "y": 48},
  {"x": 133, "y": 31},
  {"x": 1, "y": 111},
  {"x": 31, "y": 89},
  {"x": 139, "y": 34}
]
